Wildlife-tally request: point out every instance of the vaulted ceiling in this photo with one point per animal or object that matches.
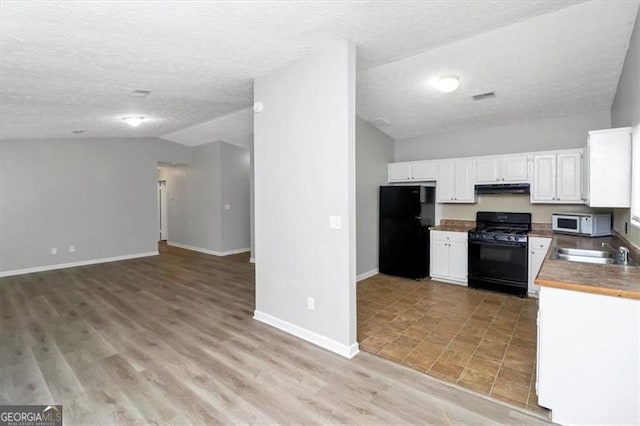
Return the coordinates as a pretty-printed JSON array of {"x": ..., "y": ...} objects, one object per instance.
[{"x": 72, "y": 65}]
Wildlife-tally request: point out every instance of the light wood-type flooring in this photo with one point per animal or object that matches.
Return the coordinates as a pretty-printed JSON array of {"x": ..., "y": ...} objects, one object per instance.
[
  {"x": 171, "y": 339},
  {"x": 481, "y": 340}
]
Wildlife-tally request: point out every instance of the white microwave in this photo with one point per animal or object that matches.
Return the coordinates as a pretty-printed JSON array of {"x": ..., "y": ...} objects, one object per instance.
[{"x": 592, "y": 225}]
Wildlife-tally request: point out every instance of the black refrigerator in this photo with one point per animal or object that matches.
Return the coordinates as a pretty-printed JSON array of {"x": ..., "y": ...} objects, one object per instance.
[{"x": 406, "y": 213}]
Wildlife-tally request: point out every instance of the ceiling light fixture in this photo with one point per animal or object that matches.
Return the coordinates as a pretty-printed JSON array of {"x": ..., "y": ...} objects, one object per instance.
[
  {"x": 139, "y": 93},
  {"x": 448, "y": 83},
  {"x": 77, "y": 131},
  {"x": 133, "y": 121}
]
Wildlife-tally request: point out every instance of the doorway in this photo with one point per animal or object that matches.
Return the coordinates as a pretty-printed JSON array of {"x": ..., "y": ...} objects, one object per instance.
[{"x": 162, "y": 210}]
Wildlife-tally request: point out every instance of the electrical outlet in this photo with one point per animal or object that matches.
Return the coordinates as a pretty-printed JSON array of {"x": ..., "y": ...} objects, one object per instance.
[
  {"x": 335, "y": 222},
  {"x": 54, "y": 250},
  {"x": 227, "y": 206},
  {"x": 311, "y": 303},
  {"x": 72, "y": 249}
]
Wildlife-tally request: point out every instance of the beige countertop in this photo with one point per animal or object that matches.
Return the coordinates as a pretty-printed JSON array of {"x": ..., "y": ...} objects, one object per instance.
[
  {"x": 609, "y": 280},
  {"x": 452, "y": 225}
]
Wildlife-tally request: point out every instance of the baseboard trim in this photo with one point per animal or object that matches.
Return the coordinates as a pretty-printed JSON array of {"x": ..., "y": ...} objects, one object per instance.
[
  {"x": 207, "y": 251},
  {"x": 367, "y": 274},
  {"x": 309, "y": 336},
  {"x": 449, "y": 280},
  {"x": 74, "y": 264}
]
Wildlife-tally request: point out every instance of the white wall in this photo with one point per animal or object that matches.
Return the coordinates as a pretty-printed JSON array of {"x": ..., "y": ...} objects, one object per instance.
[
  {"x": 535, "y": 135},
  {"x": 374, "y": 150},
  {"x": 626, "y": 112},
  {"x": 304, "y": 147},
  {"x": 97, "y": 194}
]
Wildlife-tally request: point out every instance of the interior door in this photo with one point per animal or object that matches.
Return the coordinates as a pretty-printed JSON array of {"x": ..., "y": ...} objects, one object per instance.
[{"x": 162, "y": 210}]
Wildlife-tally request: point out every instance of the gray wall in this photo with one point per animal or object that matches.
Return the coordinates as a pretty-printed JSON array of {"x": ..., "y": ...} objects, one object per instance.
[
  {"x": 217, "y": 175},
  {"x": 235, "y": 176},
  {"x": 97, "y": 194},
  {"x": 203, "y": 198},
  {"x": 535, "y": 135},
  {"x": 305, "y": 173},
  {"x": 374, "y": 149},
  {"x": 626, "y": 112}
]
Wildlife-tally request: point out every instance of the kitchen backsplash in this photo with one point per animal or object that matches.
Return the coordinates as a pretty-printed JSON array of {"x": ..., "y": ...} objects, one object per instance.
[{"x": 540, "y": 213}]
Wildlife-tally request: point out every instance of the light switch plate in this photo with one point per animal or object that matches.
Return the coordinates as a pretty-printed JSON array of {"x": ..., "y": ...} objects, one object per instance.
[{"x": 335, "y": 222}]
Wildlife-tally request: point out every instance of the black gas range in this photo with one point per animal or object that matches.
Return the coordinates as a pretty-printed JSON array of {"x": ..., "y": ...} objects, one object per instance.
[{"x": 498, "y": 252}]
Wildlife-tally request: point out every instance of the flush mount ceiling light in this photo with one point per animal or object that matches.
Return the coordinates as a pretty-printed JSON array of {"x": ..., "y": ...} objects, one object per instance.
[
  {"x": 133, "y": 121},
  {"x": 139, "y": 93},
  {"x": 447, "y": 83}
]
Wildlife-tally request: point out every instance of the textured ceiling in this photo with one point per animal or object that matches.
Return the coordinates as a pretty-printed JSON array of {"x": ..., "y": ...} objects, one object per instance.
[
  {"x": 70, "y": 65},
  {"x": 566, "y": 62},
  {"x": 235, "y": 128}
]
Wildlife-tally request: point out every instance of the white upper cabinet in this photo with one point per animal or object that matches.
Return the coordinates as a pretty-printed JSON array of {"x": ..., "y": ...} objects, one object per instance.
[
  {"x": 424, "y": 170},
  {"x": 488, "y": 170},
  {"x": 502, "y": 169},
  {"x": 445, "y": 189},
  {"x": 456, "y": 181},
  {"x": 413, "y": 171},
  {"x": 399, "y": 172},
  {"x": 515, "y": 168},
  {"x": 464, "y": 181},
  {"x": 608, "y": 168},
  {"x": 557, "y": 178},
  {"x": 544, "y": 178},
  {"x": 569, "y": 177}
]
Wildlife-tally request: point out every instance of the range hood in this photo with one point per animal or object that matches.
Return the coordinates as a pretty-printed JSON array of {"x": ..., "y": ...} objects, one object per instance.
[{"x": 503, "y": 188}]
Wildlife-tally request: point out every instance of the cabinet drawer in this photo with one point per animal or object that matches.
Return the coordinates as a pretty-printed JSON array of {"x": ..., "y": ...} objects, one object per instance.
[{"x": 449, "y": 236}]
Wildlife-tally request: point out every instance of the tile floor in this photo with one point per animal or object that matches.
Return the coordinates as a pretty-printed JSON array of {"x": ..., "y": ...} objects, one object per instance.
[{"x": 481, "y": 340}]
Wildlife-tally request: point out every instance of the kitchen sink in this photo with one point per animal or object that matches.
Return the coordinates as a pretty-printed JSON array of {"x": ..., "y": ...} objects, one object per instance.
[
  {"x": 585, "y": 253},
  {"x": 598, "y": 257}
]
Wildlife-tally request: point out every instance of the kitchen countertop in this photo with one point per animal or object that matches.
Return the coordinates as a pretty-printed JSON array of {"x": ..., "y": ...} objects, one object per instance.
[
  {"x": 454, "y": 225},
  {"x": 609, "y": 280}
]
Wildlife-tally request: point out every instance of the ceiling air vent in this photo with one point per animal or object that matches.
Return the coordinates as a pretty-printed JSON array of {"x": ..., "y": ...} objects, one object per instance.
[
  {"x": 380, "y": 122},
  {"x": 140, "y": 93},
  {"x": 483, "y": 96}
]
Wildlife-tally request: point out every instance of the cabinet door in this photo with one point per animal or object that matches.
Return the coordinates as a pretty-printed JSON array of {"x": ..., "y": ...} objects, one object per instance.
[
  {"x": 458, "y": 260},
  {"x": 488, "y": 170},
  {"x": 608, "y": 168},
  {"x": 569, "y": 174},
  {"x": 399, "y": 172},
  {"x": 515, "y": 169},
  {"x": 439, "y": 258},
  {"x": 536, "y": 257},
  {"x": 464, "y": 181},
  {"x": 424, "y": 170},
  {"x": 445, "y": 186},
  {"x": 544, "y": 178}
]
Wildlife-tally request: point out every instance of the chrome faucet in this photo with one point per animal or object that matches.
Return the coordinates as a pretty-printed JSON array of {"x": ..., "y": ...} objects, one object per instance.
[{"x": 622, "y": 254}]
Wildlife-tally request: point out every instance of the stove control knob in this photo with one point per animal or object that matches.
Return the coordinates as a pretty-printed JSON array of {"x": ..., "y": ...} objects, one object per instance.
[
  {"x": 510, "y": 237},
  {"x": 495, "y": 237}
]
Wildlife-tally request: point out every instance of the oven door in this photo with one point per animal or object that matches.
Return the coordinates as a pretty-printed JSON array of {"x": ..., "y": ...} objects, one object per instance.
[{"x": 498, "y": 265}]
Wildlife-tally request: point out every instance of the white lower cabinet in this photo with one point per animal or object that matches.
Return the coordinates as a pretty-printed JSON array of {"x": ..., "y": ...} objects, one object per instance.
[
  {"x": 449, "y": 257},
  {"x": 538, "y": 248},
  {"x": 588, "y": 357}
]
